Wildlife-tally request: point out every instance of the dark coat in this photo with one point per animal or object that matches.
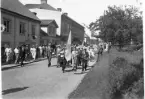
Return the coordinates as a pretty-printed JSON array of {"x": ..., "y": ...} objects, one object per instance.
[
  {"x": 85, "y": 56},
  {"x": 22, "y": 52}
]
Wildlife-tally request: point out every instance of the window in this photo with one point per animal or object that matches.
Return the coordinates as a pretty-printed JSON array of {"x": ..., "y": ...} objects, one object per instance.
[
  {"x": 33, "y": 30},
  {"x": 22, "y": 28},
  {"x": 7, "y": 24}
]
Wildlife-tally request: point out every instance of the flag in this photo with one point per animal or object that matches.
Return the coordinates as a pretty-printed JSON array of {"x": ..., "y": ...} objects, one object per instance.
[
  {"x": 83, "y": 43},
  {"x": 68, "y": 48}
]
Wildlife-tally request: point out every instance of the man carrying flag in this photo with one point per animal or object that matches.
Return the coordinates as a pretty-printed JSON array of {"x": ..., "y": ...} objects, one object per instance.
[{"x": 67, "y": 53}]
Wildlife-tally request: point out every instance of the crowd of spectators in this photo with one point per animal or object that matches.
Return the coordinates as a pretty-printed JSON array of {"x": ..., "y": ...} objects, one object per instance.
[{"x": 24, "y": 52}]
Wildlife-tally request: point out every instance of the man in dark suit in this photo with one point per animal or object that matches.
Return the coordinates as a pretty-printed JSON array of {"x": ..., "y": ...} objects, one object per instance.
[
  {"x": 85, "y": 58},
  {"x": 63, "y": 61},
  {"x": 22, "y": 54}
]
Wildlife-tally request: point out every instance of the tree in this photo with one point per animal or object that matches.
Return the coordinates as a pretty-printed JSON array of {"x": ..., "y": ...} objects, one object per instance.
[
  {"x": 126, "y": 20},
  {"x": 120, "y": 38}
]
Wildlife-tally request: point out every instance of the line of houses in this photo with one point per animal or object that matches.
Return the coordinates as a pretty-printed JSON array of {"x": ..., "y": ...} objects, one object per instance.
[{"x": 37, "y": 24}]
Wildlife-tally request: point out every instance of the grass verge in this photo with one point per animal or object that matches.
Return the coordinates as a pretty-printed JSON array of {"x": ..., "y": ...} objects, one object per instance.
[{"x": 118, "y": 75}]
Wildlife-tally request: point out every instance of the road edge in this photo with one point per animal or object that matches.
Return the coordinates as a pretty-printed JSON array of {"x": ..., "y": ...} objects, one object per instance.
[{"x": 79, "y": 82}]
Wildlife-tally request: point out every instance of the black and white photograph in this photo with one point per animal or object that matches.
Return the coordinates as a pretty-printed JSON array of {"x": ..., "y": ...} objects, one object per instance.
[{"x": 72, "y": 49}]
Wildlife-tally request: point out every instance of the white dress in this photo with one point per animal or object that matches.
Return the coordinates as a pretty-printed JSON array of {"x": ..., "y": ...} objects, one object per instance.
[
  {"x": 7, "y": 51},
  {"x": 40, "y": 48},
  {"x": 74, "y": 58},
  {"x": 107, "y": 46},
  {"x": 33, "y": 52},
  {"x": 16, "y": 51}
]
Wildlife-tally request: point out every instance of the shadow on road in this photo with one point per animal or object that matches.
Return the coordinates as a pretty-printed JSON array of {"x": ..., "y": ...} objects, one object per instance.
[
  {"x": 12, "y": 90},
  {"x": 17, "y": 66},
  {"x": 7, "y": 68}
]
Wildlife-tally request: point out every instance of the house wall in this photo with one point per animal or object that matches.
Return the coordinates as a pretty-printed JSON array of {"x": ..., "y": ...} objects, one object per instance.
[
  {"x": 44, "y": 14},
  {"x": 76, "y": 30},
  {"x": 14, "y": 38}
]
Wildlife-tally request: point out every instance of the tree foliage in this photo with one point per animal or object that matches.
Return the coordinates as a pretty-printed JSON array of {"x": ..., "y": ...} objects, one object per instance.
[{"x": 123, "y": 21}]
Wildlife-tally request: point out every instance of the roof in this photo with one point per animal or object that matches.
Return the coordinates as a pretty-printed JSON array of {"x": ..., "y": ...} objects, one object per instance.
[
  {"x": 47, "y": 22},
  {"x": 43, "y": 33},
  {"x": 41, "y": 6},
  {"x": 66, "y": 16},
  {"x": 17, "y": 7}
]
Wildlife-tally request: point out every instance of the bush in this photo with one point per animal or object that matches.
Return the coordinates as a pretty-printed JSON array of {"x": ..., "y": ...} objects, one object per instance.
[
  {"x": 136, "y": 91},
  {"x": 122, "y": 77}
]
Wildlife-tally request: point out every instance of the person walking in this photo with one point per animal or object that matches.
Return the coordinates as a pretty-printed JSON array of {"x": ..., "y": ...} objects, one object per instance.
[
  {"x": 109, "y": 47},
  {"x": 100, "y": 52},
  {"x": 79, "y": 57},
  {"x": 40, "y": 49},
  {"x": 22, "y": 55},
  {"x": 33, "y": 52},
  {"x": 85, "y": 60},
  {"x": 49, "y": 54},
  {"x": 37, "y": 52},
  {"x": 11, "y": 57},
  {"x": 97, "y": 48},
  {"x": 27, "y": 53},
  {"x": 16, "y": 51},
  {"x": 8, "y": 52},
  {"x": 43, "y": 51},
  {"x": 58, "y": 55},
  {"x": 63, "y": 61},
  {"x": 3, "y": 55},
  {"x": 74, "y": 58}
]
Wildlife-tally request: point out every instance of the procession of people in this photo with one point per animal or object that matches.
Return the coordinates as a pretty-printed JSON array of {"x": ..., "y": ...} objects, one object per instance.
[
  {"x": 22, "y": 53},
  {"x": 80, "y": 54}
]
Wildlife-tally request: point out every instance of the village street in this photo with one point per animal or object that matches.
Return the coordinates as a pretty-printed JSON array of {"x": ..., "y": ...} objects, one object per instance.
[{"x": 37, "y": 81}]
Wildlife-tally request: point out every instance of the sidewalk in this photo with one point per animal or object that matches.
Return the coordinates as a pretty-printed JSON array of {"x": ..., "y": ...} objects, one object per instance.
[{"x": 3, "y": 67}]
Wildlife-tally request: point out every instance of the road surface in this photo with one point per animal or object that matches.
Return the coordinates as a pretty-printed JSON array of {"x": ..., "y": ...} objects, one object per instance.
[{"x": 37, "y": 81}]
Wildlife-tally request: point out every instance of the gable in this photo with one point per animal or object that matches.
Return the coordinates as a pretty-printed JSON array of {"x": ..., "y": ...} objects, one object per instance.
[{"x": 17, "y": 7}]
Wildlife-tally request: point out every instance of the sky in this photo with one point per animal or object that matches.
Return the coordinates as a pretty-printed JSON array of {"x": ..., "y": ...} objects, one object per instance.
[{"x": 83, "y": 11}]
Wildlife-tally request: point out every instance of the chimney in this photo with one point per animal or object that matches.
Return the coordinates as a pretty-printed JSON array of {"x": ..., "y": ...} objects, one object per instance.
[
  {"x": 59, "y": 9},
  {"x": 65, "y": 14},
  {"x": 43, "y": 1}
]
